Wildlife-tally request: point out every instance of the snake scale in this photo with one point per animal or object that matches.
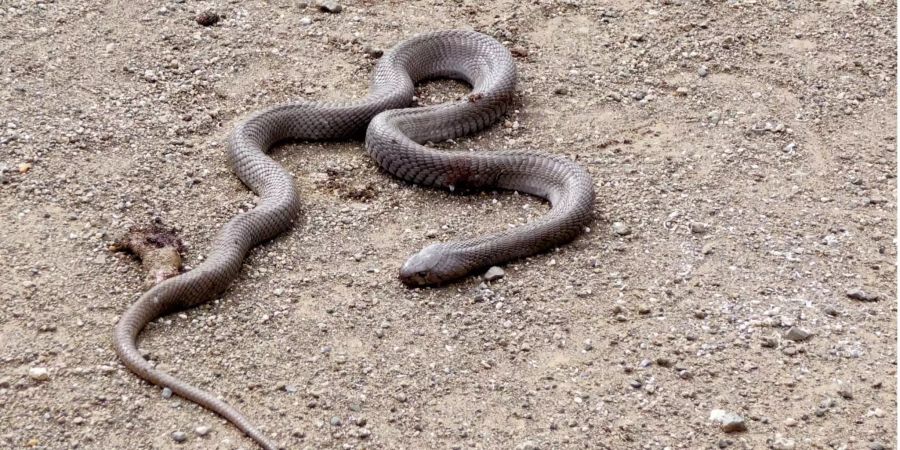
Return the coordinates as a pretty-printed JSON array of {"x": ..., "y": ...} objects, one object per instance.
[{"x": 394, "y": 137}]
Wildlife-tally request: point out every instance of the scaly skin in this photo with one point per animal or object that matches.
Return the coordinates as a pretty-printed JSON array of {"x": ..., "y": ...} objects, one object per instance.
[{"x": 393, "y": 138}]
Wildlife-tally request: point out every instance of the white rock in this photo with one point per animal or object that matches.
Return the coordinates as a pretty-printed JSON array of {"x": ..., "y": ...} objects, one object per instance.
[
  {"x": 494, "y": 273},
  {"x": 729, "y": 421},
  {"x": 39, "y": 373},
  {"x": 783, "y": 443},
  {"x": 621, "y": 228},
  {"x": 797, "y": 334}
]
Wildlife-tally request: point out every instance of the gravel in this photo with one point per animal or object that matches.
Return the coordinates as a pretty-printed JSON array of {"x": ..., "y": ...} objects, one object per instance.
[
  {"x": 207, "y": 18},
  {"x": 861, "y": 295},
  {"x": 783, "y": 443},
  {"x": 179, "y": 436},
  {"x": 494, "y": 273},
  {"x": 39, "y": 373},
  {"x": 797, "y": 334},
  {"x": 621, "y": 228},
  {"x": 114, "y": 117},
  {"x": 330, "y": 7},
  {"x": 729, "y": 422}
]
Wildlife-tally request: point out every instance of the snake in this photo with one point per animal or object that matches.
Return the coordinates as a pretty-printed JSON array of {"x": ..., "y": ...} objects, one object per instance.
[{"x": 396, "y": 135}]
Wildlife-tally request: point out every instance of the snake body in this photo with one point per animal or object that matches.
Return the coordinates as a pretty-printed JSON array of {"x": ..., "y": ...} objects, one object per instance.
[{"x": 393, "y": 138}]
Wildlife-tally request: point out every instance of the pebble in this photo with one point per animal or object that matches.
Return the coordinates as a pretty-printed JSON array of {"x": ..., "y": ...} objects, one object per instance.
[
  {"x": 306, "y": 21},
  {"x": 790, "y": 422},
  {"x": 373, "y": 52},
  {"x": 202, "y": 430},
  {"x": 39, "y": 373},
  {"x": 638, "y": 95},
  {"x": 845, "y": 391},
  {"x": 150, "y": 76},
  {"x": 769, "y": 342},
  {"x": 179, "y": 436},
  {"x": 621, "y": 228},
  {"x": 519, "y": 51},
  {"x": 728, "y": 421},
  {"x": 494, "y": 273},
  {"x": 330, "y": 7},
  {"x": 335, "y": 421},
  {"x": 560, "y": 90},
  {"x": 431, "y": 233},
  {"x": 166, "y": 393},
  {"x": 782, "y": 443},
  {"x": 703, "y": 71},
  {"x": 797, "y": 334},
  {"x": 861, "y": 295},
  {"x": 207, "y": 18},
  {"x": 699, "y": 228}
]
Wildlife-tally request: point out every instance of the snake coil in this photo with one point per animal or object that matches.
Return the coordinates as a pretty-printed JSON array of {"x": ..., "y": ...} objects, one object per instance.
[{"x": 394, "y": 139}]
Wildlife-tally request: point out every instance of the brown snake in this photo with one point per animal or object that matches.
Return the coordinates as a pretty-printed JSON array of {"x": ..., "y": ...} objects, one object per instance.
[{"x": 393, "y": 138}]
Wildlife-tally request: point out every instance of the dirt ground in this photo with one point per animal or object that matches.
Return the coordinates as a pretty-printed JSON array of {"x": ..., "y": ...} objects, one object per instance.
[{"x": 744, "y": 154}]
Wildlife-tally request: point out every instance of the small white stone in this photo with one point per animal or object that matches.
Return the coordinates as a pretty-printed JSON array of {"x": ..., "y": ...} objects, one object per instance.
[
  {"x": 621, "y": 228},
  {"x": 202, "y": 430},
  {"x": 729, "y": 421},
  {"x": 797, "y": 334},
  {"x": 39, "y": 373},
  {"x": 494, "y": 273},
  {"x": 783, "y": 443}
]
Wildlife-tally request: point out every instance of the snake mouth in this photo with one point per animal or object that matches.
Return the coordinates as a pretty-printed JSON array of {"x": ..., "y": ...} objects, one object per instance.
[
  {"x": 416, "y": 279},
  {"x": 425, "y": 268}
]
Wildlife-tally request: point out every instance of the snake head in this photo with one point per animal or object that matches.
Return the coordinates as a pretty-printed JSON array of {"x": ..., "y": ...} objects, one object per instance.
[{"x": 433, "y": 265}]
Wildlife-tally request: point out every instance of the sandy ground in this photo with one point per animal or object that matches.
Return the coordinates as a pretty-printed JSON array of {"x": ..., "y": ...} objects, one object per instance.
[{"x": 745, "y": 165}]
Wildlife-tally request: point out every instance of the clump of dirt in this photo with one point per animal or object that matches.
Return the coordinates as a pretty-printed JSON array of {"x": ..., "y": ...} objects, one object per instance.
[
  {"x": 336, "y": 182},
  {"x": 159, "y": 250}
]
